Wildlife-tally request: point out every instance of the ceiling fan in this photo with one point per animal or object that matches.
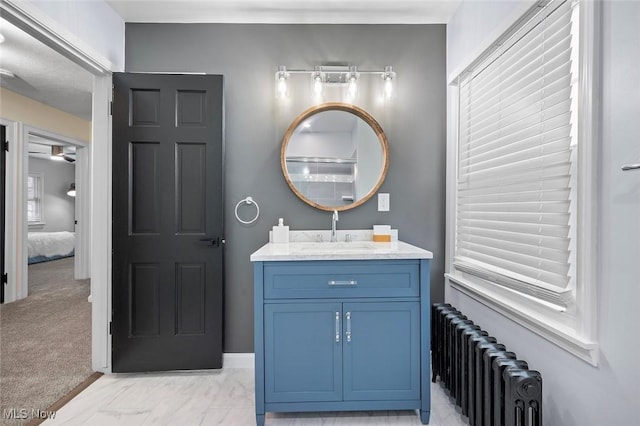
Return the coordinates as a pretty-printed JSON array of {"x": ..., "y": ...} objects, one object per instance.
[
  {"x": 53, "y": 152},
  {"x": 70, "y": 157}
]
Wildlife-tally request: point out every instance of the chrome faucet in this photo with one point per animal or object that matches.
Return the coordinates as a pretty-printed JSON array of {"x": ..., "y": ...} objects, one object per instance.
[{"x": 334, "y": 219}]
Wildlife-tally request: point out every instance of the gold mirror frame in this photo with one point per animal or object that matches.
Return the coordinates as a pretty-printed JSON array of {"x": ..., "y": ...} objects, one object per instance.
[{"x": 336, "y": 106}]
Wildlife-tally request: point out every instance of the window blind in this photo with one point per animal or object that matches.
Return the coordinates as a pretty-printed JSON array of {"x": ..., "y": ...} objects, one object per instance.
[
  {"x": 515, "y": 161},
  {"x": 34, "y": 198}
]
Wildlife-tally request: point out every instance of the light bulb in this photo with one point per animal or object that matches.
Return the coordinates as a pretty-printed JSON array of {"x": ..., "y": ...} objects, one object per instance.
[
  {"x": 282, "y": 87},
  {"x": 388, "y": 77},
  {"x": 317, "y": 87},
  {"x": 352, "y": 88},
  {"x": 388, "y": 88},
  {"x": 281, "y": 82}
]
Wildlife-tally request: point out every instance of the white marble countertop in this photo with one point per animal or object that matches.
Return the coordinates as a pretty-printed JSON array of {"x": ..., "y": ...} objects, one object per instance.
[{"x": 354, "y": 250}]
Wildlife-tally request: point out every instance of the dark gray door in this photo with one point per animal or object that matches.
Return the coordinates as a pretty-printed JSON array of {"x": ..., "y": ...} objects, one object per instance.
[
  {"x": 167, "y": 222},
  {"x": 3, "y": 187}
]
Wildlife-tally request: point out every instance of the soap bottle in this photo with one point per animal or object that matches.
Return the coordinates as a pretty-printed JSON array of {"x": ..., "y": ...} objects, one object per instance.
[{"x": 280, "y": 233}]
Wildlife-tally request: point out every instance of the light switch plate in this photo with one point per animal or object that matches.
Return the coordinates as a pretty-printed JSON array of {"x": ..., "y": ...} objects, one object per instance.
[{"x": 383, "y": 202}]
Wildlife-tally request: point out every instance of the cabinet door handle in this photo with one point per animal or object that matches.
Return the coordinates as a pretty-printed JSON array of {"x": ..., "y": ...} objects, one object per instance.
[
  {"x": 348, "y": 333},
  {"x": 344, "y": 282},
  {"x": 337, "y": 327}
]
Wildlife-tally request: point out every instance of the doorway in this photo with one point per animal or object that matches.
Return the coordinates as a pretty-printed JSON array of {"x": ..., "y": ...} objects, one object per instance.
[
  {"x": 46, "y": 334},
  {"x": 57, "y": 209},
  {"x": 98, "y": 155}
]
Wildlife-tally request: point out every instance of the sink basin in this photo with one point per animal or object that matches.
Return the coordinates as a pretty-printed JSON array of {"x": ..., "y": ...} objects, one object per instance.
[{"x": 355, "y": 247}]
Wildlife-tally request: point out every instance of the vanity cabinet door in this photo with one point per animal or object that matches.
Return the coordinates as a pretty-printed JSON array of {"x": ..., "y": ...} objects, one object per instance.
[
  {"x": 381, "y": 351},
  {"x": 303, "y": 352}
]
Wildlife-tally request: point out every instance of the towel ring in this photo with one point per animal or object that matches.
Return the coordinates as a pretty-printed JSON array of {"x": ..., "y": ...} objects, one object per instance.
[{"x": 248, "y": 200}]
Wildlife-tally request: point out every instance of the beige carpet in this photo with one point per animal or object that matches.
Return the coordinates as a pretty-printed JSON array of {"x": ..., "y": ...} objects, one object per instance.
[{"x": 45, "y": 340}]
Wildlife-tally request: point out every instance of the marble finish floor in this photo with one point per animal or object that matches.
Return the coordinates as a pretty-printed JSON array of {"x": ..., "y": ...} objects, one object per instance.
[{"x": 214, "y": 397}]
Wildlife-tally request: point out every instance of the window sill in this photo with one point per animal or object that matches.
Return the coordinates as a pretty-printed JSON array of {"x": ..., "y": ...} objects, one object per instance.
[{"x": 564, "y": 338}]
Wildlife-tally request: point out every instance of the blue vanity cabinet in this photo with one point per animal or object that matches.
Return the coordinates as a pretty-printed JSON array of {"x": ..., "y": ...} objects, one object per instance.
[
  {"x": 302, "y": 351},
  {"x": 342, "y": 335},
  {"x": 381, "y": 351}
]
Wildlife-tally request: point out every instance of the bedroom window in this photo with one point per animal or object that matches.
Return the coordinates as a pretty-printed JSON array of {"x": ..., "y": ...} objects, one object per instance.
[
  {"x": 34, "y": 198},
  {"x": 523, "y": 169}
]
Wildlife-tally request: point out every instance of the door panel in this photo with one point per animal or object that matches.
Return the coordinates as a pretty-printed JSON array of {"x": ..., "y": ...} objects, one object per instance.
[
  {"x": 303, "y": 355},
  {"x": 191, "y": 108},
  {"x": 144, "y": 310},
  {"x": 191, "y": 188},
  {"x": 190, "y": 297},
  {"x": 167, "y": 196},
  {"x": 144, "y": 200},
  {"x": 383, "y": 336}
]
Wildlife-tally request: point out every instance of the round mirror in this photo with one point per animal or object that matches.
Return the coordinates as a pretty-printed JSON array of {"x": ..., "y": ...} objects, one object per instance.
[{"x": 334, "y": 156}]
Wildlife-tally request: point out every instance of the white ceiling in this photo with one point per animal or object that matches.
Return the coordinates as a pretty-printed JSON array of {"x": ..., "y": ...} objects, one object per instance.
[
  {"x": 46, "y": 76},
  {"x": 288, "y": 11}
]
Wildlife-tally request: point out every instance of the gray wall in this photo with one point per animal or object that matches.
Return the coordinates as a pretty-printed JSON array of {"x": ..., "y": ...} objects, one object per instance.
[
  {"x": 58, "y": 207},
  {"x": 248, "y": 56}
]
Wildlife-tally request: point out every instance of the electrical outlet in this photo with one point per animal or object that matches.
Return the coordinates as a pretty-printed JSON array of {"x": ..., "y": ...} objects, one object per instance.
[{"x": 383, "y": 202}]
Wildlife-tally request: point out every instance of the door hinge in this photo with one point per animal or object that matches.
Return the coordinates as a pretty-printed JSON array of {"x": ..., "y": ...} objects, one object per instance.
[
  {"x": 110, "y": 107},
  {"x": 5, "y": 278},
  {"x": 110, "y": 327},
  {"x": 5, "y": 146}
]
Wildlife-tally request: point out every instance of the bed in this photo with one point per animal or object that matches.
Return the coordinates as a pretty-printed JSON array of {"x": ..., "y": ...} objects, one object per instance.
[{"x": 46, "y": 246}]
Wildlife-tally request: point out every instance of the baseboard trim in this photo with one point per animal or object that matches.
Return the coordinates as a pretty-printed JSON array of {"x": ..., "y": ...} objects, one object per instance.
[{"x": 238, "y": 360}]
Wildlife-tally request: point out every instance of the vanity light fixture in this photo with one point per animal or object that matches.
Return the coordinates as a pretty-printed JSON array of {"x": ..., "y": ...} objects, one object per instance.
[{"x": 324, "y": 76}]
